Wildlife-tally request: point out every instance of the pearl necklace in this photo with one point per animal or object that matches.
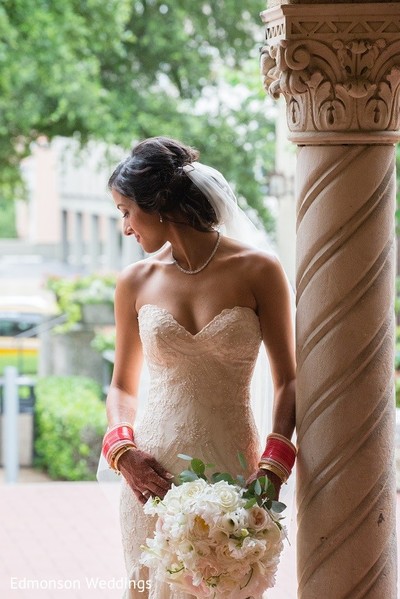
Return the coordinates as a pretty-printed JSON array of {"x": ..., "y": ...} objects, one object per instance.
[{"x": 194, "y": 272}]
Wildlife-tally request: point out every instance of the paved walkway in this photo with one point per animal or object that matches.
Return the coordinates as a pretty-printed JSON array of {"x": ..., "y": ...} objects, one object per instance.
[
  {"x": 64, "y": 538},
  {"x": 62, "y": 535}
]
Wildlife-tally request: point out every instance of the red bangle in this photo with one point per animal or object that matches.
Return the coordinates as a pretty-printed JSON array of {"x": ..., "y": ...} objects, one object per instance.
[
  {"x": 111, "y": 428},
  {"x": 280, "y": 451},
  {"x": 281, "y": 454},
  {"x": 114, "y": 436}
]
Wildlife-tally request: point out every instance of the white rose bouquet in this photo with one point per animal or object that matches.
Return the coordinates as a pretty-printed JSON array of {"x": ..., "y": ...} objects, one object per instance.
[{"x": 216, "y": 538}]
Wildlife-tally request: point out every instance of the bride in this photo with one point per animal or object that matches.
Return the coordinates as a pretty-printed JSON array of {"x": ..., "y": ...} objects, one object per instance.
[{"x": 197, "y": 310}]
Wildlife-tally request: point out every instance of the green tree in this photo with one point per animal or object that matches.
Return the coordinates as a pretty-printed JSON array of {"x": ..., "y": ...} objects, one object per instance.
[{"x": 122, "y": 69}]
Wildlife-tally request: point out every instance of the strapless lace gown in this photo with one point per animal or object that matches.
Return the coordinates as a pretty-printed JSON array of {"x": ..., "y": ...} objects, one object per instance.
[{"x": 199, "y": 404}]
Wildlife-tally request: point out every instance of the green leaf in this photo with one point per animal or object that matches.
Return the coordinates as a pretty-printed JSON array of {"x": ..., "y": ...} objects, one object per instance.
[
  {"x": 257, "y": 487},
  {"x": 271, "y": 491},
  {"x": 250, "y": 503},
  {"x": 251, "y": 489},
  {"x": 242, "y": 460},
  {"x": 214, "y": 477},
  {"x": 187, "y": 476},
  {"x": 224, "y": 476},
  {"x": 183, "y": 456},
  {"x": 197, "y": 466},
  {"x": 277, "y": 506}
]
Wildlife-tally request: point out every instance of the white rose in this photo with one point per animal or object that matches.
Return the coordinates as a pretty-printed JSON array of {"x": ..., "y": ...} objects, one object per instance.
[
  {"x": 177, "y": 497},
  {"x": 189, "y": 492},
  {"x": 228, "y": 495}
]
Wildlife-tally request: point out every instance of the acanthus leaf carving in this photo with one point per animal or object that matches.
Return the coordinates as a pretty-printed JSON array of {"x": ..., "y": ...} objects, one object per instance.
[{"x": 332, "y": 86}]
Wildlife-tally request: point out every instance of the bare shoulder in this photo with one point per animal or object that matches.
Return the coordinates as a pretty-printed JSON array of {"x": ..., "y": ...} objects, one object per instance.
[
  {"x": 269, "y": 281},
  {"x": 133, "y": 274},
  {"x": 254, "y": 261},
  {"x": 263, "y": 263},
  {"x": 131, "y": 279}
]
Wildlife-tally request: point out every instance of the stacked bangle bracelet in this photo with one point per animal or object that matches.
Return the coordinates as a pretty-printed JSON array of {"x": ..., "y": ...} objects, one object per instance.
[
  {"x": 117, "y": 440},
  {"x": 279, "y": 456}
]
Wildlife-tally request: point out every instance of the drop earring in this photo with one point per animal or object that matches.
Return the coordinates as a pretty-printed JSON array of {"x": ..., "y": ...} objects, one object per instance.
[{"x": 161, "y": 220}]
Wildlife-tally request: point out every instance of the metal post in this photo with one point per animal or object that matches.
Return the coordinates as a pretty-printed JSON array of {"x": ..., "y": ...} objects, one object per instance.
[
  {"x": 64, "y": 237},
  {"x": 79, "y": 244},
  {"x": 10, "y": 425},
  {"x": 94, "y": 242}
]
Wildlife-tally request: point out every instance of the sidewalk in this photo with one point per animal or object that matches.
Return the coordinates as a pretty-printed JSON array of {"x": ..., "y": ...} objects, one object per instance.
[{"x": 64, "y": 538}]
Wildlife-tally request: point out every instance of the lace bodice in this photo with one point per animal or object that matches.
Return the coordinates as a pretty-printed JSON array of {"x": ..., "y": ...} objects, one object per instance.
[{"x": 198, "y": 404}]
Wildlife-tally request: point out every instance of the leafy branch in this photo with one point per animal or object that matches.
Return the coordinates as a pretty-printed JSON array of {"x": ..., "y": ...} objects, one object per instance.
[{"x": 260, "y": 492}]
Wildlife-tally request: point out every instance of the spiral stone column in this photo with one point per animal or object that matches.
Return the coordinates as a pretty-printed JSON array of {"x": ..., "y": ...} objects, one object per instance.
[{"x": 338, "y": 66}]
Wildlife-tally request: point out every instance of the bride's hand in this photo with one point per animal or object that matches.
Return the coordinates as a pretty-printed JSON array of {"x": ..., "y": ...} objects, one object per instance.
[
  {"x": 144, "y": 474},
  {"x": 275, "y": 480}
]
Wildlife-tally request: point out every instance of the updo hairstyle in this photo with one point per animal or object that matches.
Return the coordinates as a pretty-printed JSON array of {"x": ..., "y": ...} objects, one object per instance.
[{"x": 152, "y": 176}]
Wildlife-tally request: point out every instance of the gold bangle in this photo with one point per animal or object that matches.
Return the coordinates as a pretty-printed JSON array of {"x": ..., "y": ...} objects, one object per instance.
[
  {"x": 275, "y": 471},
  {"x": 270, "y": 462},
  {"x": 116, "y": 447},
  {"x": 283, "y": 476},
  {"x": 114, "y": 459},
  {"x": 276, "y": 464},
  {"x": 114, "y": 465},
  {"x": 120, "y": 453}
]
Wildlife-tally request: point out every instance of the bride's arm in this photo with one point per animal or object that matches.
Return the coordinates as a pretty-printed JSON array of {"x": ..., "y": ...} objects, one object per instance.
[
  {"x": 122, "y": 399},
  {"x": 274, "y": 311},
  {"x": 272, "y": 294},
  {"x": 141, "y": 470}
]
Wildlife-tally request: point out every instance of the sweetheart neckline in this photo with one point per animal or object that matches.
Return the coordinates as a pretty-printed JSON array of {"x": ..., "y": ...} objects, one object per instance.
[{"x": 206, "y": 326}]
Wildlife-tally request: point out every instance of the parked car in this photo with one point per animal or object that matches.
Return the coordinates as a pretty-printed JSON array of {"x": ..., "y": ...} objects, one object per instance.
[{"x": 19, "y": 340}]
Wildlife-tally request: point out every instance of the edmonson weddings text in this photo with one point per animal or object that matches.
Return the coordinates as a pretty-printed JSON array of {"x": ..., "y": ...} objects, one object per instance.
[{"x": 76, "y": 583}]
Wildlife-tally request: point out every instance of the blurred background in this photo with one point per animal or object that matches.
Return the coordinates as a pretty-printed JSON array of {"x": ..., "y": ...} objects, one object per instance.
[{"x": 80, "y": 83}]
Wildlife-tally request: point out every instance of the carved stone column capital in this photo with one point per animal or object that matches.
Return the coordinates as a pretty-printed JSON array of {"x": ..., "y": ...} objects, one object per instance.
[{"x": 339, "y": 72}]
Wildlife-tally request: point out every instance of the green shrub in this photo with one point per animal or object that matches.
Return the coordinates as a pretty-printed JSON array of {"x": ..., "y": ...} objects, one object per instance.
[
  {"x": 104, "y": 340},
  {"x": 70, "y": 423},
  {"x": 8, "y": 219},
  {"x": 398, "y": 393},
  {"x": 72, "y": 293},
  {"x": 397, "y": 350}
]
